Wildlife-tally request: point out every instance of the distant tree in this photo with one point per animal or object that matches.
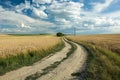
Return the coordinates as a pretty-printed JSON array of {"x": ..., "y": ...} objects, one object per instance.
[{"x": 59, "y": 34}]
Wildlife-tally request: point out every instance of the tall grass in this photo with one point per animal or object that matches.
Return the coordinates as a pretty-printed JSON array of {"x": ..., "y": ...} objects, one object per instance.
[
  {"x": 102, "y": 63},
  {"x": 24, "y": 58}
]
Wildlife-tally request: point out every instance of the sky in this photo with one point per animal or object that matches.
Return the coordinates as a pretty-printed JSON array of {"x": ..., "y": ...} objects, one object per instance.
[{"x": 51, "y": 16}]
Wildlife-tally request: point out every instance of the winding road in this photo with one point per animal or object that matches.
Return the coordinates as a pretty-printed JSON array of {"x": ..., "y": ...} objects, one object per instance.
[{"x": 75, "y": 62}]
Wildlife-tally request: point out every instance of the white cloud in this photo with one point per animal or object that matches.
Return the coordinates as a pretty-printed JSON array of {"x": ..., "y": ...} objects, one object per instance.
[
  {"x": 67, "y": 8},
  {"x": 113, "y": 14},
  {"x": 42, "y": 1},
  {"x": 39, "y": 13},
  {"x": 1, "y": 9},
  {"x": 35, "y": 12},
  {"x": 106, "y": 21},
  {"x": 23, "y": 6},
  {"x": 27, "y": 4},
  {"x": 98, "y": 7},
  {"x": 67, "y": 13},
  {"x": 62, "y": 20},
  {"x": 114, "y": 29},
  {"x": 101, "y": 24},
  {"x": 15, "y": 21},
  {"x": 59, "y": 16},
  {"x": 25, "y": 26}
]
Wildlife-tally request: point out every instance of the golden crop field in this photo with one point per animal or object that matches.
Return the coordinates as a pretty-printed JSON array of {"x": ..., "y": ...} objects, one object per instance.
[
  {"x": 12, "y": 45},
  {"x": 103, "y": 62},
  {"x": 107, "y": 41}
]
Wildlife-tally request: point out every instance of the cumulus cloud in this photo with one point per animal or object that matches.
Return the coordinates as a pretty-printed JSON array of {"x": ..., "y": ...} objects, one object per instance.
[
  {"x": 27, "y": 4},
  {"x": 15, "y": 21},
  {"x": 39, "y": 13},
  {"x": 58, "y": 15},
  {"x": 66, "y": 13},
  {"x": 42, "y": 1},
  {"x": 35, "y": 10},
  {"x": 69, "y": 9},
  {"x": 114, "y": 29},
  {"x": 98, "y": 7},
  {"x": 101, "y": 24},
  {"x": 1, "y": 9},
  {"x": 25, "y": 26}
]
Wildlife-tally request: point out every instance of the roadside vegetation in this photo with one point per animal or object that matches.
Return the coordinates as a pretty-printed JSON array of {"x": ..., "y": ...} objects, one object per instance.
[
  {"x": 19, "y": 51},
  {"x": 103, "y": 61}
]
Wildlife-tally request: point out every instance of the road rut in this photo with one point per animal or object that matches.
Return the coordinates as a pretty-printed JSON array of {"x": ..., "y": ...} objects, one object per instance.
[
  {"x": 64, "y": 70},
  {"x": 73, "y": 64},
  {"x": 22, "y": 73}
]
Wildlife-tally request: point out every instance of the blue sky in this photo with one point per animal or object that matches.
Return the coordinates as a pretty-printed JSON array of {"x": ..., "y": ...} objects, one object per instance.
[{"x": 51, "y": 16}]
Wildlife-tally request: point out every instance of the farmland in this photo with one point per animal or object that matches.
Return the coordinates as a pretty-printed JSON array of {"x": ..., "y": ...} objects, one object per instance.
[
  {"x": 94, "y": 57},
  {"x": 30, "y": 65},
  {"x": 13, "y": 45},
  {"x": 17, "y": 51},
  {"x": 103, "y": 61},
  {"x": 110, "y": 42}
]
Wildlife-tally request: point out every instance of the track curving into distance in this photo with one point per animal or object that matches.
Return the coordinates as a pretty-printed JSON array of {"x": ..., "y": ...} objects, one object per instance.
[{"x": 63, "y": 71}]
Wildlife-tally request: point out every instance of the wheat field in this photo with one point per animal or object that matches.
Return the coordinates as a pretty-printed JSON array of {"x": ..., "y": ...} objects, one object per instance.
[
  {"x": 107, "y": 41},
  {"x": 12, "y": 45},
  {"x": 103, "y": 62}
]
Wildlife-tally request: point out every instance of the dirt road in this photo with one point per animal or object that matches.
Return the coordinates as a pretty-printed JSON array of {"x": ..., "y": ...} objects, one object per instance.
[
  {"x": 69, "y": 66},
  {"x": 62, "y": 72}
]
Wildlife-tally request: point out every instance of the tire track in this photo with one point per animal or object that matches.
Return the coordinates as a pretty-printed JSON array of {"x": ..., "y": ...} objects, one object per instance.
[
  {"x": 73, "y": 64},
  {"x": 52, "y": 66},
  {"x": 22, "y": 73}
]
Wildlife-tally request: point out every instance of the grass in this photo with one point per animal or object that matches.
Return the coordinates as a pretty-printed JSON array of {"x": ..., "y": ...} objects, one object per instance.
[
  {"x": 102, "y": 63},
  {"x": 52, "y": 66},
  {"x": 12, "y": 62}
]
